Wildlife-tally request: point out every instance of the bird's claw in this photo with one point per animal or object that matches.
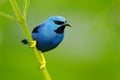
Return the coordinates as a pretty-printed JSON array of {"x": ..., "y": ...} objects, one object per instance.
[
  {"x": 43, "y": 65},
  {"x": 43, "y": 62},
  {"x": 32, "y": 44}
]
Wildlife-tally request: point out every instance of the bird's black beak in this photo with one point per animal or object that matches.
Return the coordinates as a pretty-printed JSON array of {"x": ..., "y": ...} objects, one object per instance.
[{"x": 66, "y": 24}]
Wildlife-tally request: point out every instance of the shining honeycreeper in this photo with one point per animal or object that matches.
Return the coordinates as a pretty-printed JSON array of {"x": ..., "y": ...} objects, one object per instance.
[{"x": 49, "y": 34}]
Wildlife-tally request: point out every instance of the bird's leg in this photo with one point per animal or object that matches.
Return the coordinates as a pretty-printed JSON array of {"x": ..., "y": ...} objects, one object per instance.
[
  {"x": 32, "y": 44},
  {"x": 43, "y": 61}
]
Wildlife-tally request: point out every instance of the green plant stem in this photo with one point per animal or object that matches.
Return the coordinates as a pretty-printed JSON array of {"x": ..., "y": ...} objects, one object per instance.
[
  {"x": 26, "y": 4},
  {"x": 7, "y": 16},
  {"x": 22, "y": 20}
]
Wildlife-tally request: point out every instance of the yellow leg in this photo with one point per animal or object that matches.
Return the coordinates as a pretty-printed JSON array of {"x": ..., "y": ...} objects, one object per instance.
[
  {"x": 43, "y": 62},
  {"x": 32, "y": 44}
]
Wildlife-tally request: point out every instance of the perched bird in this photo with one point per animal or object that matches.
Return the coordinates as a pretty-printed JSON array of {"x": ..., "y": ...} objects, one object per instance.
[{"x": 49, "y": 34}]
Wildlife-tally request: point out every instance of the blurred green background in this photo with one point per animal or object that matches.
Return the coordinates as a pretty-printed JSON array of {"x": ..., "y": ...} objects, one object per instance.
[{"x": 89, "y": 51}]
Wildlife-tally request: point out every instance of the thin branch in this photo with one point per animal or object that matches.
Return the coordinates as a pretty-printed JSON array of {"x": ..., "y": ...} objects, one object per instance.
[
  {"x": 16, "y": 9},
  {"x": 22, "y": 21},
  {"x": 7, "y": 16},
  {"x": 26, "y": 5}
]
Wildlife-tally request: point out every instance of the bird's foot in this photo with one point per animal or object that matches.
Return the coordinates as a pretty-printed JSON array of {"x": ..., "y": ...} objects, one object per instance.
[
  {"x": 32, "y": 44},
  {"x": 43, "y": 62},
  {"x": 43, "y": 65}
]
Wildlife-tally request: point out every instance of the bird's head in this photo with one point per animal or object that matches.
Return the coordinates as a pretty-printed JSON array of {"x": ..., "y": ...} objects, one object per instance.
[{"x": 58, "y": 23}]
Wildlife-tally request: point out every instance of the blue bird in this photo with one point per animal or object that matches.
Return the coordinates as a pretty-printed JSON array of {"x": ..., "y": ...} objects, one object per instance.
[{"x": 49, "y": 34}]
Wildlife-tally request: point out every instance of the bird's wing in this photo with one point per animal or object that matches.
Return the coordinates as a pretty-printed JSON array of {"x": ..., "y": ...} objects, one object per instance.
[{"x": 35, "y": 30}]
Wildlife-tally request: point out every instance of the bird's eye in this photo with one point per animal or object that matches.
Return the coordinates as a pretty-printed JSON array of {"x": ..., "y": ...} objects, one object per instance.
[{"x": 58, "y": 22}]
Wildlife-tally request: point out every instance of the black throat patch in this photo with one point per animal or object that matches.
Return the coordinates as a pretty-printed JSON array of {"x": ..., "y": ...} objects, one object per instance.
[{"x": 60, "y": 30}]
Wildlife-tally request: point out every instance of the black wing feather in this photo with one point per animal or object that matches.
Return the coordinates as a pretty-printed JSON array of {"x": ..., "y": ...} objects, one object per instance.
[{"x": 35, "y": 30}]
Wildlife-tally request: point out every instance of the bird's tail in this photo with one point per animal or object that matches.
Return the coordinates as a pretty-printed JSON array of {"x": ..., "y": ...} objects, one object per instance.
[{"x": 24, "y": 41}]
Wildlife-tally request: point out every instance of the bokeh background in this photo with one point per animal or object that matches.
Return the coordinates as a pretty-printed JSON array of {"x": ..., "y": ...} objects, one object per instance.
[{"x": 89, "y": 51}]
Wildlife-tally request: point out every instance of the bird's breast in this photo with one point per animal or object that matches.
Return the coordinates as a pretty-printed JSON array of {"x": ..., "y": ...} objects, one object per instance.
[{"x": 47, "y": 40}]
